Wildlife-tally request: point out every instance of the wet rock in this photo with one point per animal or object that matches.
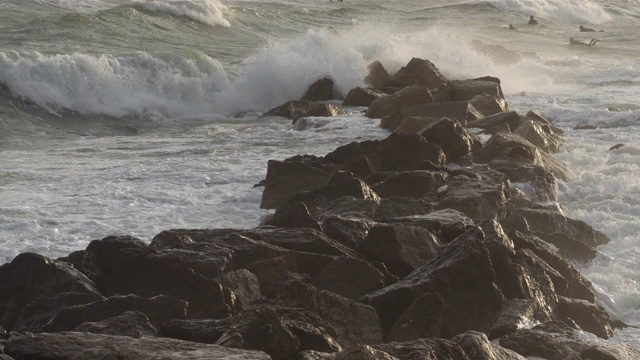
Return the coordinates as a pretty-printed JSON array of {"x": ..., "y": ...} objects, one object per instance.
[
  {"x": 40, "y": 310},
  {"x": 534, "y": 133},
  {"x": 534, "y": 115},
  {"x": 417, "y": 183},
  {"x": 420, "y": 72},
  {"x": 393, "y": 104},
  {"x": 206, "y": 331},
  {"x": 377, "y": 77},
  {"x": 424, "y": 349},
  {"x": 391, "y": 122},
  {"x": 585, "y": 127},
  {"x": 349, "y": 232},
  {"x": 537, "y": 182},
  {"x": 349, "y": 277},
  {"x": 29, "y": 276},
  {"x": 351, "y": 187},
  {"x": 454, "y": 140},
  {"x": 362, "y": 352},
  {"x": 422, "y": 319},
  {"x": 345, "y": 207},
  {"x": 405, "y": 152},
  {"x": 401, "y": 248},
  {"x": 402, "y": 207},
  {"x": 446, "y": 224},
  {"x": 468, "y": 89},
  {"x": 244, "y": 285},
  {"x": 295, "y": 110},
  {"x": 462, "y": 111},
  {"x": 489, "y": 104},
  {"x": 588, "y": 316},
  {"x": 515, "y": 313},
  {"x": 81, "y": 345},
  {"x": 413, "y": 124},
  {"x": 359, "y": 165},
  {"x": 320, "y": 90},
  {"x": 293, "y": 215},
  {"x": 131, "y": 323},
  {"x": 473, "y": 300},
  {"x": 362, "y": 97},
  {"x": 510, "y": 118},
  {"x": 616, "y": 147},
  {"x": 553, "y": 341},
  {"x": 611, "y": 352},
  {"x": 478, "y": 347}
]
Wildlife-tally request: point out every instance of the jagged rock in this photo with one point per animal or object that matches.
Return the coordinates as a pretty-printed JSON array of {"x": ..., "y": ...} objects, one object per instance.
[
  {"x": 393, "y": 104},
  {"x": 446, "y": 224},
  {"x": 320, "y": 90},
  {"x": 510, "y": 118},
  {"x": 484, "y": 199},
  {"x": 472, "y": 301},
  {"x": 40, "y": 310},
  {"x": 349, "y": 277},
  {"x": 424, "y": 349},
  {"x": 345, "y": 207},
  {"x": 489, "y": 104},
  {"x": 515, "y": 314},
  {"x": 378, "y": 77},
  {"x": 362, "y": 97},
  {"x": 353, "y": 322},
  {"x": 295, "y": 110},
  {"x": 289, "y": 177},
  {"x": 504, "y": 127},
  {"x": 420, "y": 72},
  {"x": 159, "y": 309},
  {"x": 244, "y": 284},
  {"x": 293, "y": 215},
  {"x": 611, "y": 352},
  {"x": 422, "y": 319},
  {"x": 462, "y": 111},
  {"x": 401, "y": 248},
  {"x": 362, "y": 352},
  {"x": 585, "y": 127},
  {"x": 534, "y": 133},
  {"x": 349, "y": 232},
  {"x": 538, "y": 182},
  {"x": 29, "y": 276},
  {"x": 206, "y": 331},
  {"x": 467, "y": 89},
  {"x": 417, "y": 183},
  {"x": 454, "y": 140},
  {"x": 352, "y": 187},
  {"x": 405, "y": 152},
  {"x": 391, "y": 122},
  {"x": 131, "y": 323},
  {"x": 413, "y": 124},
  {"x": 80, "y": 346},
  {"x": 588, "y": 316},
  {"x": 553, "y": 341},
  {"x": 358, "y": 165},
  {"x": 532, "y": 114},
  {"x": 401, "y": 207},
  {"x": 478, "y": 347},
  {"x": 271, "y": 330}
]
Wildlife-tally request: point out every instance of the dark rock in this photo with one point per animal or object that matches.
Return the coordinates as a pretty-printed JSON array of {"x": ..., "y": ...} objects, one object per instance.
[
  {"x": 532, "y": 114},
  {"x": 489, "y": 104},
  {"x": 393, "y": 104},
  {"x": 401, "y": 248},
  {"x": 414, "y": 124},
  {"x": 345, "y": 207},
  {"x": 588, "y": 316},
  {"x": 359, "y": 165},
  {"x": 422, "y": 319},
  {"x": 80, "y": 345},
  {"x": 131, "y": 323},
  {"x": 553, "y": 341},
  {"x": 320, "y": 90},
  {"x": 29, "y": 276},
  {"x": 391, "y": 122},
  {"x": 446, "y": 224},
  {"x": 454, "y": 140},
  {"x": 350, "y": 232},
  {"x": 534, "y": 133},
  {"x": 462, "y": 111},
  {"x": 295, "y": 110},
  {"x": 349, "y": 277},
  {"x": 362, "y": 352},
  {"x": 424, "y": 349},
  {"x": 293, "y": 215},
  {"x": 420, "y": 72},
  {"x": 206, "y": 331},
  {"x": 585, "y": 127},
  {"x": 467, "y": 89},
  {"x": 402, "y": 207},
  {"x": 362, "y": 97},
  {"x": 378, "y": 77},
  {"x": 40, "y": 310},
  {"x": 462, "y": 274},
  {"x": 616, "y": 146},
  {"x": 159, "y": 309},
  {"x": 417, "y": 183},
  {"x": 353, "y": 187},
  {"x": 478, "y": 347},
  {"x": 538, "y": 182},
  {"x": 510, "y": 118},
  {"x": 515, "y": 313},
  {"x": 244, "y": 284},
  {"x": 611, "y": 352},
  {"x": 405, "y": 152}
]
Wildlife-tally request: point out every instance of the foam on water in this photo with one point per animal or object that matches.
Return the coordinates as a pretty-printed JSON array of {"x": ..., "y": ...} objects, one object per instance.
[
  {"x": 572, "y": 11},
  {"x": 210, "y": 12}
]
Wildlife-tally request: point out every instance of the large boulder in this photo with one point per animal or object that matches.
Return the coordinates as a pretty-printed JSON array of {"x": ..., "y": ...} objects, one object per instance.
[
  {"x": 417, "y": 183},
  {"x": 489, "y": 104},
  {"x": 349, "y": 277},
  {"x": 131, "y": 323},
  {"x": 462, "y": 111},
  {"x": 406, "y": 152},
  {"x": 244, "y": 284},
  {"x": 446, "y": 224},
  {"x": 468, "y": 89},
  {"x": 394, "y": 207},
  {"x": 320, "y": 90},
  {"x": 295, "y": 110},
  {"x": 362, "y": 96},
  {"x": 422, "y": 319},
  {"x": 349, "y": 232},
  {"x": 424, "y": 349},
  {"x": 514, "y": 313},
  {"x": 393, "y": 104},
  {"x": 512, "y": 119},
  {"x": 82, "y": 345},
  {"x": 478, "y": 347},
  {"x": 553, "y": 341},
  {"x": 420, "y": 72},
  {"x": 206, "y": 331},
  {"x": 378, "y": 77},
  {"x": 590, "y": 317},
  {"x": 453, "y": 138},
  {"x": 534, "y": 132},
  {"x": 536, "y": 181},
  {"x": 39, "y": 311},
  {"x": 29, "y": 276}
]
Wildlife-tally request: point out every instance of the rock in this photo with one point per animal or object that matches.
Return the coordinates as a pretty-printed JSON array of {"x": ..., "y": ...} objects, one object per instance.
[
  {"x": 362, "y": 97},
  {"x": 350, "y": 232},
  {"x": 454, "y": 140},
  {"x": 378, "y": 77},
  {"x": 446, "y": 224},
  {"x": 585, "y": 127},
  {"x": 40, "y": 310},
  {"x": 532, "y": 114},
  {"x": 468, "y": 89},
  {"x": 533, "y": 132},
  {"x": 244, "y": 284},
  {"x": 206, "y": 331},
  {"x": 131, "y": 323},
  {"x": 353, "y": 322},
  {"x": 159, "y": 310},
  {"x": 588, "y": 316},
  {"x": 294, "y": 175},
  {"x": 553, "y": 341},
  {"x": 29, "y": 276},
  {"x": 405, "y": 152},
  {"x": 362, "y": 352},
  {"x": 616, "y": 147},
  {"x": 611, "y": 352},
  {"x": 349, "y": 277},
  {"x": 536, "y": 181},
  {"x": 401, "y": 207},
  {"x": 510, "y": 118},
  {"x": 478, "y": 347},
  {"x": 293, "y": 215},
  {"x": 417, "y": 183},
  {"x": 462, "y": 111},
  {"x": 515, "y": 313},
  {"x": 320, "y": 90},
  {"x": 420, "y": 72},
  {"x": 401, "y": 248},
  {"x": 472, "y": 301},
  {"x": 270, "y": 329},
  {"x": 489, "y": 104},
  {"x": 80, "y": 345},
  {"x": 359, "y": 166},
  {"x": 393, "y": 104},
  {"x": 351, "y": 187},
  {"x": 422, "y": 319},
  {"x": 295, "y": 110},
  {"x": 391, "y": 122},
  {"x": 413, "y": 124},
  {"x": 424, "y": 349}
]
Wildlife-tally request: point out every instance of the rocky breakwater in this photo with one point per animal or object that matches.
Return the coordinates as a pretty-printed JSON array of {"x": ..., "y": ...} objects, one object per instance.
[{"x": 441, "y": 241}]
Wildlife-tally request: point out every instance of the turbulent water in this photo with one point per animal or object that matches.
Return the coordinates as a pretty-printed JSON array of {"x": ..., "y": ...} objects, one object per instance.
[{"x": 131, "y": 117}]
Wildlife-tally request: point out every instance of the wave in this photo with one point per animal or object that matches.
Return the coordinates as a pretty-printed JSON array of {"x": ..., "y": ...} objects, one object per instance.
[
  {"x": 209, "y": 12},
  {"x": 572, "y": 11}
]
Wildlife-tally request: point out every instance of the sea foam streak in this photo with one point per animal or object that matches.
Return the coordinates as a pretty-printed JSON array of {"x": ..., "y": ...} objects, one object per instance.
[
  {"x": 210, "y": 12},
  {"x": 573, "y": 11}
]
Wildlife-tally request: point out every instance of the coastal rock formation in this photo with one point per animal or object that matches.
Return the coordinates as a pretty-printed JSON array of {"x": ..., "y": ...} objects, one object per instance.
[{"x": 295, "y": 110}]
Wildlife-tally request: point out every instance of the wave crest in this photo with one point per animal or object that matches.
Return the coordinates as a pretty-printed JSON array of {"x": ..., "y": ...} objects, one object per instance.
[
  {"x": 573, "y": 11},
  {"x": 209, "y": 12}
]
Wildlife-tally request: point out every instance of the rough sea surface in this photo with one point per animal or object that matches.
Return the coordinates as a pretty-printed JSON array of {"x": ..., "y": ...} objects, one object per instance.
[{"x": 131, "y": 117}]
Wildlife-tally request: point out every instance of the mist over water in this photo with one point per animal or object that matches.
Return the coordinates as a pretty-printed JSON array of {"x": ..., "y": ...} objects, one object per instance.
[{"x": 131, "y": 117}]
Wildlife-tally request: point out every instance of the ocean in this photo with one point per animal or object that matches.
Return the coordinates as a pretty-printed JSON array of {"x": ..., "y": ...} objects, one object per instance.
[{"x": 131, "y": 117}]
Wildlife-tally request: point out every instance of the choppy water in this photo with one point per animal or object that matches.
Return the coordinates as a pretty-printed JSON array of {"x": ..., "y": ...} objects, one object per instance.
[{"x": 131, "y": 117}]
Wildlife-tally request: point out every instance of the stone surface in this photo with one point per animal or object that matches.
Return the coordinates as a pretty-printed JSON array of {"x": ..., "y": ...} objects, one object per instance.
[
  {"x": 454, "y": 140},
  {"x": 511, "y": 118},
  {"x": 446, "y": 224},
  {"x": 533, "y": 131},
  {"x": 40, "y": 310},
  {"x": 349, "y": 277},
  {"x": 417, "y": 183},
  {"x": 478, "y": 347},
  {"x": 293, "y": 215},
  {"x": 295, "y": 110},
  {"x": 362, "y": 97},
  {"x": 244, "y": 284},
  {"x": 206, "y": 331},
  {"x": 420, "y": 72},
  {"x": 377, "y": 77},
  {"x": 461, "y": 111},
  {"x": 489, "y": 104},
  {"x": 393, "y": 104},
  {"x": 422, "y": 319},
  {"x": 349, "y": 232},
  {"x": 537, "y": 182},
  {"x": 401, "y": 207},
  {"x": 468, "y": 89},
  {"x": 551, "y": 341},
  {"x": 131, "y": 323},
  {"x": 424, "y": 349},
  {"x": 588, "y": 316},
  {"x": 320, "y": 90}
]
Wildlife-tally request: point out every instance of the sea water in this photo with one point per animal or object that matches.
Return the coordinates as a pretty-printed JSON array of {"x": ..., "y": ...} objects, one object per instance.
[{"x": 131, "y": 117}]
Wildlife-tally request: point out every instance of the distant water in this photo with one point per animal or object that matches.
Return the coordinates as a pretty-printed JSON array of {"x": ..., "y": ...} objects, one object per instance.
[{"x": 131, "y": 117}]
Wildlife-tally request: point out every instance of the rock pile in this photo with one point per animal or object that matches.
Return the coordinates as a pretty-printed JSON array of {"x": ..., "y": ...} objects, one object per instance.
[{"x": 428, "y": 244}]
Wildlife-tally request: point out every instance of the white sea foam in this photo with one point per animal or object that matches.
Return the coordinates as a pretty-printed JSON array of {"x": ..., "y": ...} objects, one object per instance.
[
  {"x": 210, "y": 12},
  {"x": 572, "y": 11}
]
